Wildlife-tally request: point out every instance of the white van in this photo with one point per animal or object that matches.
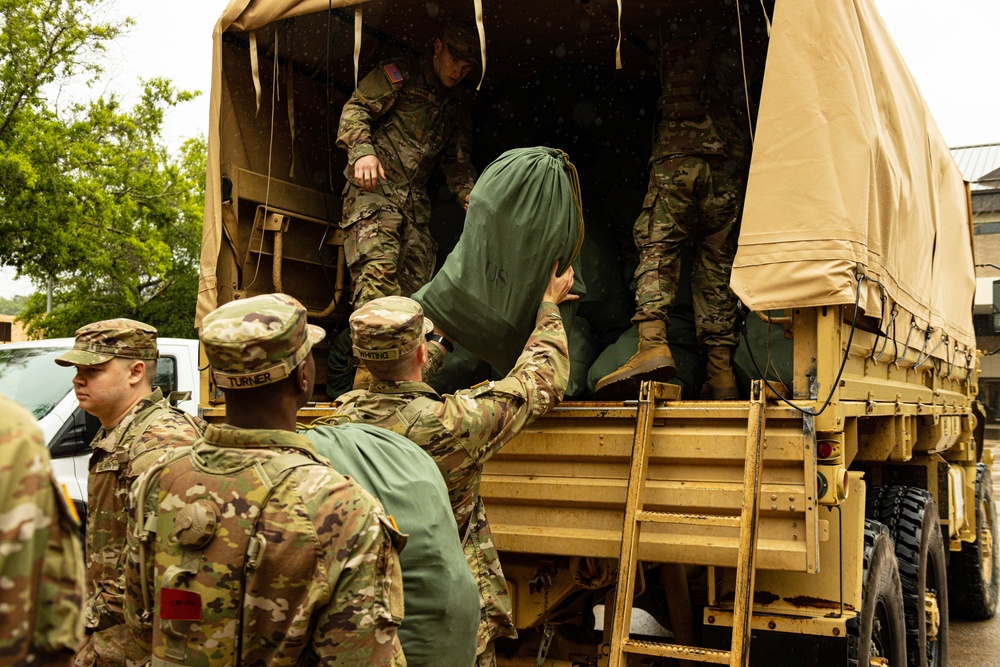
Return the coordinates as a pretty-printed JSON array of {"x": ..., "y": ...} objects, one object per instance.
[{"x": 30, "y": 376}]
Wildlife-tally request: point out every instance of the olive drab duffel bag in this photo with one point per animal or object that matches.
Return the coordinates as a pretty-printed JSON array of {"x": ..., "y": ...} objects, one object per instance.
[
  {"x": 441, "y": 595},
  {"x": 524, "y": 214}
]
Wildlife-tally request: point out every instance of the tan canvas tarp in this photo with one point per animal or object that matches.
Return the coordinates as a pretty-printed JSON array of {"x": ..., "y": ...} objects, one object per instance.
[
  {"x": 243, "y": 15},
  {"x": 851, "y": 174}
]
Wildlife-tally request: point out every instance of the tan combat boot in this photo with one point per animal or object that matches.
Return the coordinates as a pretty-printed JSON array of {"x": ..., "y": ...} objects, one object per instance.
[
  {"x": 720, "y": 384},
  {"x": 653, "y": 361}
]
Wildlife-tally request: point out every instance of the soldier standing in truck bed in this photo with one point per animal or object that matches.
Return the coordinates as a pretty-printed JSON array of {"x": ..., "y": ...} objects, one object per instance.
[
  {"x": 696, "y": 185},
  {"x": 404, "y": 118}
]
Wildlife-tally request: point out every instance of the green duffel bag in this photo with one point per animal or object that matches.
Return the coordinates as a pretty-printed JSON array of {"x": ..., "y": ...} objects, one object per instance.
[
  {"x": 441, "y": 622},
  {"x": 461, "y": 369},
  {"x": 339, "y": 367},
  {"x": 582, "y": 352},
  {"x": 524, "y": 214},
  {"x": 769, "y": 352}
]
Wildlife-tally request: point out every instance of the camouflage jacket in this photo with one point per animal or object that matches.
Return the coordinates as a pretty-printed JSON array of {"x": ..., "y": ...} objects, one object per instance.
[
  {"x": 41, "y": 563},
  {"x": 321, "y": 585},
  {"x": 463, "y": 430},
  {"x": 119, "y": 457},
  {"x": 402, "y": 114},
  {"x": 703, "y": 103}
]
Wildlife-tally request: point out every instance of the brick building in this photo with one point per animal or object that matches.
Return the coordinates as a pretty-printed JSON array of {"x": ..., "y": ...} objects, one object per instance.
[{"x": 11, "y": 331}]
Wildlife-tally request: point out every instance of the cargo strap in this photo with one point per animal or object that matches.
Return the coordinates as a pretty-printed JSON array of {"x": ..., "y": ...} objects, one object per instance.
[
  {"x": 635, "y": 515},
  {"x": 290, "y": 105},
  {"x": 255, "y": 67},
  {"x": 618, "y": 46},
  {"x": 358, "y": 24},
  {"x": 480, "y": 28}
]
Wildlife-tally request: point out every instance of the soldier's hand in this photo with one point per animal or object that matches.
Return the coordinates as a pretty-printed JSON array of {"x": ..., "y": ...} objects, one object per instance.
[
  {"x": 466, "y": 202},
  {"x": 367, "y": 172},
  {"x": 559, "y": 286}
]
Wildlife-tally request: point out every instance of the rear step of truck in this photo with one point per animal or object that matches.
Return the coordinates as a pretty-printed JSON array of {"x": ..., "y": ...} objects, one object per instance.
[{"x": 635, "y": 516}]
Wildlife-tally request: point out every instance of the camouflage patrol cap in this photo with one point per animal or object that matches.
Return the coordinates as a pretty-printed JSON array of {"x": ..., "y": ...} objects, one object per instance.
[
  {"x": 257, "y": 341},
  {"x": 388, "y": 328},
  {"x": 462, "y": 42},
  {"x": 102, "y": 341}
]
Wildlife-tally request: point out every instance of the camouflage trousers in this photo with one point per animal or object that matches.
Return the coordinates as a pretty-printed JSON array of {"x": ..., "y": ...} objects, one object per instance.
[
  {"x": 697, "y": 198},
  {"x": 387, "y": 253}
]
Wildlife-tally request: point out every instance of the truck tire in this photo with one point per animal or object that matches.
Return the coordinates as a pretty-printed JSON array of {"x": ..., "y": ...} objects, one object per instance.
[
  {"x": 974, "y": 572},
  {"x": 911, "y": 515},
  {"x": 879, "y": 632}
]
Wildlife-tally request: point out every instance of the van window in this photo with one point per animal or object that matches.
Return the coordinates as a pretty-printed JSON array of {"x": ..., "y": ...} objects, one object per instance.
[
  {"x": 30, "y": 376},
  {"x": 166, "y": 375}
]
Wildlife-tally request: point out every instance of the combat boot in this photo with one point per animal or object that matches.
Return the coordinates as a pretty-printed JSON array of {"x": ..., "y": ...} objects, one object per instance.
[
  {"x": 653, "y": 361},
  {"x": 720, "y": 383}
]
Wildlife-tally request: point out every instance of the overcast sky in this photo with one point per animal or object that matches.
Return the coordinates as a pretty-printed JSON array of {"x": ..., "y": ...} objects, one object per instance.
[{"x": 949, "y": 47}]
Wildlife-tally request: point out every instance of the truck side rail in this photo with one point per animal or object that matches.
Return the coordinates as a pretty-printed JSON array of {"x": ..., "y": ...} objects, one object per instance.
[{"x": 559, "y": 487}]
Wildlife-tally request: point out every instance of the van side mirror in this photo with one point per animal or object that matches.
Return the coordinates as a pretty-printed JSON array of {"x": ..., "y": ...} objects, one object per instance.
[{"x": 75, "y": 435}]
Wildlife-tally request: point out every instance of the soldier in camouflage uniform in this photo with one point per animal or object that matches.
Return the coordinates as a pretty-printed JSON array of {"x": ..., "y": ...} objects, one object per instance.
[
  {"x": 461, "y": 431},
  {"x": 115, "y": 365},
  {"x": 696, "y": 185},
  {"x": 248, "y": 548},
  {"x": 41, "y": 562},
  {"x": 404, "y": 118}
]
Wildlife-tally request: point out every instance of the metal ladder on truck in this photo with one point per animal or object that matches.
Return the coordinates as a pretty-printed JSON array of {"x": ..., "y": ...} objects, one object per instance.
[{"x": 635, "y": 515}]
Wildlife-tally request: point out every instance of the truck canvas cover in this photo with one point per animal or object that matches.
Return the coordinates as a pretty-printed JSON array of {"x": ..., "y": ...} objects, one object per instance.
[{"x": 849, "y": 172}]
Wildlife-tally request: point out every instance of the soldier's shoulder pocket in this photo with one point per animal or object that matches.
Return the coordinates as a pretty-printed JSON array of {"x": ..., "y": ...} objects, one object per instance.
[{"x": 383, "y": 81}]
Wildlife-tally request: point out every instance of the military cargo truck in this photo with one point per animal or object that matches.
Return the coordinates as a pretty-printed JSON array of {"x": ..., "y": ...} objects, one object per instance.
[{"x": 842, "y": 511}]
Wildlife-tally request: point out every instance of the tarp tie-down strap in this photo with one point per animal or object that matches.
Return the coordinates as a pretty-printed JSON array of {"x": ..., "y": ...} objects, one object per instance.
[
  {"x": 767, "y": 20},
  {"x": 357, "y": 42},
  {"x": 255, "y": 66},
  {"x": 481, "y": 28},
  {"x": 290, "y": 94},
  {"x": 574, "y": 183},
  {"x": 618, "y": 47},
  {"x": 743, "y": 63}
]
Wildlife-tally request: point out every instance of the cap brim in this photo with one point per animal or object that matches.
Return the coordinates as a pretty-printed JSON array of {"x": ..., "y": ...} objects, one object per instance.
[
  {"x": 316, "y": 333},
  {"x": 83, "y": 358}
]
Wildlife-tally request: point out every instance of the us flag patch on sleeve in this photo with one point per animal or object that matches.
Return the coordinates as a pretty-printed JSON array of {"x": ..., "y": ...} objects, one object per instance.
[{"x": 395, "y": 76}]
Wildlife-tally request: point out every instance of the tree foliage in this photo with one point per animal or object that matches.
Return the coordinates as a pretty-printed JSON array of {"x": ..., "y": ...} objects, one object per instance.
[
  {"x": 13, "y": 305},
  {"x": 89, "y": 196}
]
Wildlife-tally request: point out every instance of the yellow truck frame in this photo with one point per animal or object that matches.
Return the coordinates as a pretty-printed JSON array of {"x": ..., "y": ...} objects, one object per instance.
[{"x": 560, "y": 493}]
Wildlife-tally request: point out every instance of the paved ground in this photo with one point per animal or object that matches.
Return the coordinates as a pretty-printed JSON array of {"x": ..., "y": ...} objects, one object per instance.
[{"x": 978, "y": 644}]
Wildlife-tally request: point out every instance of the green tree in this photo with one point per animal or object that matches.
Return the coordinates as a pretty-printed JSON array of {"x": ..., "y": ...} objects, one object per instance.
[
  {"x": 89, "y": 196},
  {"x": 13, "y": 305}
]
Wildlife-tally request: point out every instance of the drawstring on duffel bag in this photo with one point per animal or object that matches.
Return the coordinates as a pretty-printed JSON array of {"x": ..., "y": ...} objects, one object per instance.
[{"x": 574, "y": 182}]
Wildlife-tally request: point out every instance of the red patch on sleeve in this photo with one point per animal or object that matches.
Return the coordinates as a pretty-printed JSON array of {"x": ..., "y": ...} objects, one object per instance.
[
  {"x": 179, "y": 605},
  {"x": 391, "y": 71}
]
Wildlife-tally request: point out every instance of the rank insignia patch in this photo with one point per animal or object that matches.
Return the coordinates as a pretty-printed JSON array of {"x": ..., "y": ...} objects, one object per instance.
[{"x": 395, "y": 76}]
